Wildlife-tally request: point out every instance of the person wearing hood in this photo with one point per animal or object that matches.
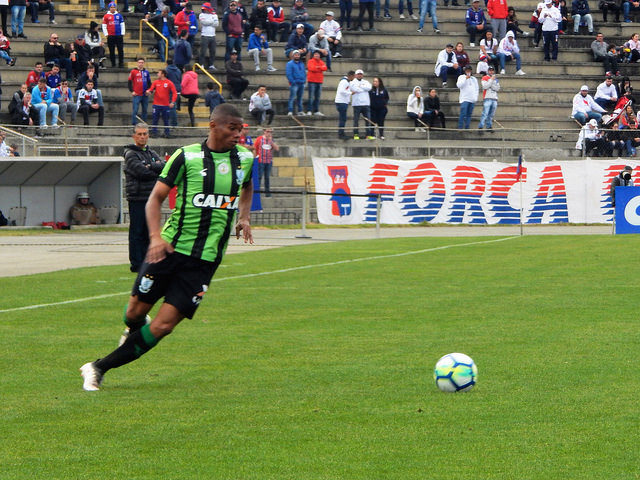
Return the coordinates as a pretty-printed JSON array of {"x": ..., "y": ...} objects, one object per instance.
[
  {"x": 623, "y": 179},
  {"x": 415, "y": 108},
  {"x": 591, "y": 138},
  {"x": 141, "y": 169}
]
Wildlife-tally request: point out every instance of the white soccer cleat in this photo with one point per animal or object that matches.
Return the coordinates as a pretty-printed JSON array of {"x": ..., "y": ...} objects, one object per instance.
[
  {"x": 92, "y": 377},
  {"x": 125, "y": 334}
]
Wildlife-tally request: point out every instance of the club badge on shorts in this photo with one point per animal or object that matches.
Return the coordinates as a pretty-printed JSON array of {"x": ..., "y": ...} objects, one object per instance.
[{"x": 145, "y": 284}]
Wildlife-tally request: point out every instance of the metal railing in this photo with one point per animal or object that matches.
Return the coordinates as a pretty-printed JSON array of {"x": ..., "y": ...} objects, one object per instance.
[
  {"x": 165, "y": 39},
  {"x": 204, "y": 70},
  {"x": 25, "y": 139}
]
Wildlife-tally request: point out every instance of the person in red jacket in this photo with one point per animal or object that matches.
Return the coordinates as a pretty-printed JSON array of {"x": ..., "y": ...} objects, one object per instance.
[
  {"x": 315, "y": 78},
  {"x": 275, "y": 15},
  {"x": 189, "y": 90},
  {"x": 163, "y": 101},
  {"x": 498, "y": 10}
]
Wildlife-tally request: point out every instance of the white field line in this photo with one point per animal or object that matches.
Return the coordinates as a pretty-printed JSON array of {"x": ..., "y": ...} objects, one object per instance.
[{"x": 272, "y": 272}]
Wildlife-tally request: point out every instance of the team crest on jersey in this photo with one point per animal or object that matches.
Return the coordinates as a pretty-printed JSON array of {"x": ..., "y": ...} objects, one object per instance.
[
  {"x": 145, "y": 284},
  {"x": 239, "y": 176},
  {"x": 216, "y": 201},
  {"x": 223, "y": 168}
]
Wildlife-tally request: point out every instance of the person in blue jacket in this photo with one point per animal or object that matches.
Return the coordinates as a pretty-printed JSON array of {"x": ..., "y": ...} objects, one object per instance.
[{"x": 297, "y": 77}]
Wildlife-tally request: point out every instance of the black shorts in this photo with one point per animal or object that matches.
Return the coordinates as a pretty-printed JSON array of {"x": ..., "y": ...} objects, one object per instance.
[{"x": 180, "y": 279}]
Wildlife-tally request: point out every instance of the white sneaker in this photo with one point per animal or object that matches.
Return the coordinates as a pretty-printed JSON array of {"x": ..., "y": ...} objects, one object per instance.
[
  {"x": 309, "y": 113},
  {"x": 212, "y": 68},
  {"x": 271, "y": 69},
  {"x": 319, "y": 114},
  {"x": 92, "y": 377},
  {"x": 402, "y": 16},
  {"x": 502, "y": 72},
  {"x": 257, "y": 69},
  {"x": 125, "y": 334},
  {"x": 44, "y": 127},
  {"x": 472, "y": 44},
  {"x": 526, "y": 34},
  {"x": 520, "y": 72},
  {"x": 55, "y": 126},
  {"x": 289, "y": 114},
  {"x": 414, "y": 16}
]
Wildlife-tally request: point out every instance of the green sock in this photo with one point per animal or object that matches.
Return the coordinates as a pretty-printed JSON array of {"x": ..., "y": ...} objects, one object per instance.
[{"x": 138, "y": 343}]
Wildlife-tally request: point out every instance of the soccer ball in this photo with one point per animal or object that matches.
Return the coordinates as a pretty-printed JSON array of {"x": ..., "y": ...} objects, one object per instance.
[{"x": 455, "y": 372}]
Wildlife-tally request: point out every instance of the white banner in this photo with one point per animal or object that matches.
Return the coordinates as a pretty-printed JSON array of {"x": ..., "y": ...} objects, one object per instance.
[{"x": 448, "y": 191}]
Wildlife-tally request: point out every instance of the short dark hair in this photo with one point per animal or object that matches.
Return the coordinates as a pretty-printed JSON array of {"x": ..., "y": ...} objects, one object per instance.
[
  {"x": 184, "y": 33},
  {"x": 225, "y": 110},
  {"x": 210, "y": 86},
  {"x": 351, "y": 72}
]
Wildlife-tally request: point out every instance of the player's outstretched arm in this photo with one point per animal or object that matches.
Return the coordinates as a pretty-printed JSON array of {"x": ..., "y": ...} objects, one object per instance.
[{"x": 244, "y": 213}]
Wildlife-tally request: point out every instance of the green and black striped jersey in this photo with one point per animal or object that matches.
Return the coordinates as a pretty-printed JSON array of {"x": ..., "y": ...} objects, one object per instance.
[{"x": 208, "y": 185}]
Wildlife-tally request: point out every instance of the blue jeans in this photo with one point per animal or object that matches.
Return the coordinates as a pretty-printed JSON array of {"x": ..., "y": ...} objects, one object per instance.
[
  {"x": 464, "y": 120},
  {"x": 157, "y": 111},
  {"x": 386, "y": 7},
  {"x": 17, "y": 19},
  {"x": 626, "y": 8},
  {"x": 428, "y": 6},
  {"x": 172, "y": 42},
  {"x": 315, "y": 89},
  {"x": 365, "y": 111},
  {"x": 409, "y": 7},
  {"x": 139, "y": 100},
  {"x": 342, "y": 117},
  {"x": 504, "y": 58},
  {"x": 488, "y": 111},
  {"x": 296, "y": 91},
  {"x": 5, "y": 56},
  {"x": 264, "y": 170},
  {"x": 233, "y": 43},
  {"x": 584, "y": 117},
  {"x": 43, "y": 108}
]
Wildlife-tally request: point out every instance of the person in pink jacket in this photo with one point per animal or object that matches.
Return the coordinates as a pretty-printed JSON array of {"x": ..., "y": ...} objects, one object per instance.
[
  {"x": 498, "y": 10},
  {"x": 189, "y": 90}
]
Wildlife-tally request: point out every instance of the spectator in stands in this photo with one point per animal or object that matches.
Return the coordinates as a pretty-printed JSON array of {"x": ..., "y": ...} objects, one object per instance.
[
  {"x": 5, "y": 50},
  {"x": 633, "y": 45},
  {"x": 365, "y": 6},
  {"x": 113, "y": 27},
  {"x": 361, "y": 103},
  {"x": 233, "y": 26},
  {"x": 415, "y": 108},
  {"x": 297, "y": 77},
  {"x": 174, "y": 74},
  {"x": 39, "y": 6},
  {"x": 613, "y": 136},
  {"x": 54, "y": 52},
  {"x": 564, "y": 11},
  {"x": 606, "y": 95},
  {"x": 379, "y": 98},
  {"x": 164, "y": 99},
  {"x": 186, "y": 21},
  {"x": 189, "y": 89},
  {"x": 610, "y": 6},
  {"x": 63, "y": 96},
  {"x": 628, "y": 6},
  {"x": 432, "y": 109},
  {"x": 258, "y": 46},
  {"x": 16, "y": 98},
  {"x": 260, "y": 106},
  {"x": 476, "y": 22},
  {"x": 138, "y": 82},
  {"x": 4, "y": 11},
  {"x": 34, "y": 75},
  {"x": 581, "y": 14},
  {"x": 513, "y": 24},
  {"x": 489, "y": 48},
  {"x": 320, "y": 43},
  {"x": 164, "y": 22},
  {"x": 590, "y": 138},
  {"x": 53, "y": 77},
  {"x": 264, "y": 148},
  {"x": 89, "y": 74},
  {"x": 93, "y": 39},
  {"x": 490, "y": 89},
  {"x": 601, "y": 53},
  {"x": 183, "y": 51},
  {"x": 585, "y": 108},
  {"x": 333, "y": 32},
  {"x": 259, "y": 18},
  {"x": 469, "y": 90},
  {"x": 83, "y": 55},
  {"x": 236, "y": 82},
  {"x": 42, "y": 100},
  {"x": 346, "y": 7},
  {"x": 213, "y": 98},
  {"x": 90, "y": 101},
  {"x": 25, "y": 113},
  {"x": 18, "y": 10},
  {"x": 409, "y": 9},
  {"x": 629, "y": 130},
  {"x": 508, "y": 50},
  {"x": 482, "y": 66},
  {"x": 536, "y": 25},
  {"x": 297, "y": 41},
  {"x": 428, "y": 7},
  {"x": 550, "y": 18},
  {"x": 342, "y": 100},
  {"x": 277, "y": 23},
  {"x": 315, "y": 78},
  {"x": 498, "y": 10},
  {"x": 624, "y": 87},
  {"x": 462, "y": 57},
  {"x": 623, "y": 179},
  {"x": 208, "y": 23},
  {"x": 299, "y": 15},
  {"x": 446, "y": 65}
]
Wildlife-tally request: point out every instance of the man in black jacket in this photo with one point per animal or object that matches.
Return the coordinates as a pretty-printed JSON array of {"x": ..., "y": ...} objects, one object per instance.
[
  {"x": 54, "y": 53},
  {"x": 623, "y": 179},
  {"x": 141, "y": 168}
]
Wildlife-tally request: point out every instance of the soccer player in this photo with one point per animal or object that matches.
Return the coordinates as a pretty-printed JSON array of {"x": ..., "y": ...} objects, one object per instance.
[{"x": 214, "y": 181}]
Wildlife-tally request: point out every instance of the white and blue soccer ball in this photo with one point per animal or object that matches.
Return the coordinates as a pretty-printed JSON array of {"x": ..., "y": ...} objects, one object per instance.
[{"x": 455, "y": 372}]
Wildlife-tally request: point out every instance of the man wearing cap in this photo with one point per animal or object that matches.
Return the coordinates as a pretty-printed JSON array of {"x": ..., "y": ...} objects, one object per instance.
[
  {"x": 447, "y": 64},
  {"x": 361, "y": 102},
  {"x": 300, "y": 16},
  {"x": 508, "y": 50},
  {"x": 113, "y": 28},
  {"x": 164, "y": 23},
  {"x": 343, "y": 98},
  {"x": 297, "y": 77},
  {"x": 623, "y": 179},
  {"x": 276, "y": 17},
  {"x": 208, "y": 23},
  {"x": 490, "y": 89},
  {"x": 591, "y": 138},
  {"x": 237, "y": 83},
  {"x": 83, "y": 55},
  {"x": 233, "y": 26},
  {"x": 476, "y": 22},
  {"x": 550, "y": 17},
  {"x": 585, "y": 108},
  {"x": 469, "y": 90},
  {"x": 319, "y": 43},
  {"x": 297, "y": 41},
  {"x": 186, "y": 21},
  {"x": 333, "y": 33}
]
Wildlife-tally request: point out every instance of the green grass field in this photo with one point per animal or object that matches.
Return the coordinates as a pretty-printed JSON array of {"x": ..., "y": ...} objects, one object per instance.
[{"x": 325, "y": 372}]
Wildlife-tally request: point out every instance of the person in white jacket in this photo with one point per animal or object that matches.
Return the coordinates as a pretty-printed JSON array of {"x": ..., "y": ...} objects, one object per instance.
[
  {"x": 334, "y": 34},
  {"x": 208, "y": 23},
  {"x": 447, "y": 64},
  {"x": 490, "y": 89},
  {"x": 508, "y": 50},
  {"x": 343, "y": 98},
  {"x": 585, "y": 108},
  {"x": 469, "y": 91},
  {"x": 590, "y": 138},
  {"x": 361, "y": 102},
  {"x": 550, "y": 17},
  {"x": 415, "y": 108}
]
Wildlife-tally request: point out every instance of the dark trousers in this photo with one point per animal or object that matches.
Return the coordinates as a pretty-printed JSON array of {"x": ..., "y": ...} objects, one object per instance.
[
  {"x": 237, "y": 86},
  {"x": 550, "y": 45},
  {"x": 368, "y": 7},
  {"x": 610, "y": 63},
  {"x": 262, "y": 115},
  {"x": 86, "y": 109},
  {"x": 274, "y": 28},
  {"x": 4, "y": 10},
  {"x": 342, "y": 117},
  {"x": 377, "y": 116},
  {"x": 113, "y": 42},
  {"x": 365, "y": 111},
  {"x": 138, "y": 233},
  {"x": 430, "y": 117},
  {"x": 191, "y": 101},
  {"x": 160, "y": 110}
]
